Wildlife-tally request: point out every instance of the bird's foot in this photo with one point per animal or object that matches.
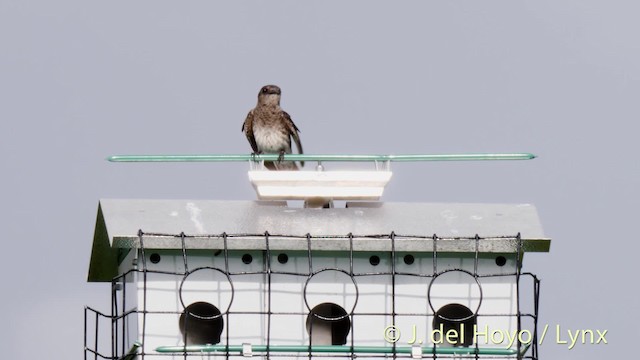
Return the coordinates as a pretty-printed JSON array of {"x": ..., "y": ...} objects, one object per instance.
[
  {"x": 281, "y": 156},
  {"x": 253, "y": 155}
]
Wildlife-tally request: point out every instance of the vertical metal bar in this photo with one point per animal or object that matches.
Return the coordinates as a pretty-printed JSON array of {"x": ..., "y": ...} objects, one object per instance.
[
  {"x": 536, "y": 294},
  {"x": 475, "y": 261},
  {"x": 185, "y": 335},
  {"x": 95, "y": 341},
  {"x": 144, "y": 293},
  {"x": 435, "y": 254},
  {"x": 392, "y": 237},
  {"x": 184, "y": 253},
  {"x": 226, "y": 269},
  {"x": 187, "y": 313},
  {"x": 351, "y": 275},
  {"x": 351, "y": 255},
  {"x": 475, "y": 274},
  {"x": 114, "y": 321},
  {"x": 309, "y": 254},
  {"x": 353, "y": 335},
  {"x": 519, "y": 315},
  {"x": 433, "y": 275},
  {"x": 226, "y": 252},
  {"x": 123, "y": 320},
  {"x": 85, "y": 333},
  {"x": 268, "y": 263},
  {"x": 183, "y": 248},
  {"x": 309, "y": 275},
  {"x": 310, "y": 336}
]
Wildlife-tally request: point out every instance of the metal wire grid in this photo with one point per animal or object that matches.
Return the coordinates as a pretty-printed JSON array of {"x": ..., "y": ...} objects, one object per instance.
[{"x": 118, "y": 317}]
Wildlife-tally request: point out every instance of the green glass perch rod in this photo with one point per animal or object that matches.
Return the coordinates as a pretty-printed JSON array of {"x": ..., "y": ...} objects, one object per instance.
[
  {"x": 342, "y": 349},
  {"x": 325, "y": 157}
]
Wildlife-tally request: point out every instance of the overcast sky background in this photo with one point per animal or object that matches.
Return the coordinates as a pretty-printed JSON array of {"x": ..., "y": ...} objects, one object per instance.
[{"x": 81, "y": 80}]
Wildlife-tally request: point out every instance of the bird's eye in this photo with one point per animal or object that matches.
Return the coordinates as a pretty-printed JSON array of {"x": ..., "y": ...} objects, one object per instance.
[{"x": 264, "y": 89}]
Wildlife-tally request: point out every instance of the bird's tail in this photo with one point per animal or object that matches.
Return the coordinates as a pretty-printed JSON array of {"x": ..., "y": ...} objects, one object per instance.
[{"x": 280, "y": 165}]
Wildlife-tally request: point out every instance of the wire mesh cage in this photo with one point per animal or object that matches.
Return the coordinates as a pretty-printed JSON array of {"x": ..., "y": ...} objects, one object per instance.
[{"x": 382, "y": 300}]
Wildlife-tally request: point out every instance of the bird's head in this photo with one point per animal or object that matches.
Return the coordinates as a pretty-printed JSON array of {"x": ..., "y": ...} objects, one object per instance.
[{"x": 269, "y": 95}]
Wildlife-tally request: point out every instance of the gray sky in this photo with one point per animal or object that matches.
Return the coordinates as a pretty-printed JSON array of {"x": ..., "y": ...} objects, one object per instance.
[{"x": 81, "y": 80}]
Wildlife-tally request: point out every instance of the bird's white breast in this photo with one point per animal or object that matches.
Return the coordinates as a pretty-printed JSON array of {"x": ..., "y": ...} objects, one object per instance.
[{"x": 270, "y": 141}]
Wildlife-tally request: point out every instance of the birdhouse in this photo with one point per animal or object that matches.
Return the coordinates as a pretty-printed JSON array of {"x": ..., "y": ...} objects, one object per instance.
[{"x": 209, "y": 278}]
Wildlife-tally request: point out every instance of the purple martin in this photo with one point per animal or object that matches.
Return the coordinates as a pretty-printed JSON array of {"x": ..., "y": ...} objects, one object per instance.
[{"x": 269, "y": 129}]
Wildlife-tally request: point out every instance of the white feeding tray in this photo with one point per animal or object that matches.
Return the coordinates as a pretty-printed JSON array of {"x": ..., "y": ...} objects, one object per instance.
[{"x": 333, "y": 185}]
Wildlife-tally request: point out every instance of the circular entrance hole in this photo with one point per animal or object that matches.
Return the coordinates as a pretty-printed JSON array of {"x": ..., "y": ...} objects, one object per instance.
[
  {"x": 209, "y": 285},
  {"x": 328, "y": 324},
  {"x": 456, "y": 284},
  {"x": 201, "y": 323},
  {"x": 331, "y": 286},
  {"x": 453, "y": 325}
]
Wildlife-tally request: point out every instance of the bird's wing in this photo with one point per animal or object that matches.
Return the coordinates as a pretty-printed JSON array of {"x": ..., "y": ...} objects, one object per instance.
[
  {"x": 293, "y": 131},
  {"x": 247, "y": 128}
]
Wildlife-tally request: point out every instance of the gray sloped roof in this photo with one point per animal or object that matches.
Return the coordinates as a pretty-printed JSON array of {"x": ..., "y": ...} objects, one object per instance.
[{"x": 119, "y": 222}]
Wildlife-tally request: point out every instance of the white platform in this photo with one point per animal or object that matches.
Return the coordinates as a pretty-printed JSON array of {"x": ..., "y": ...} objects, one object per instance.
[{"x": 331, "y": 185}]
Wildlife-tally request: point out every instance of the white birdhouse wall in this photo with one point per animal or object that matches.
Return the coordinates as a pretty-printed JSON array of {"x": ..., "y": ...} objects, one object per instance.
[{"x": 372, "y": 300}]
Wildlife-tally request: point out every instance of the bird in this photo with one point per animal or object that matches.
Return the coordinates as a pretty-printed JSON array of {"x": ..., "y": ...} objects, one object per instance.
[{"x": 269, "y": 129}]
